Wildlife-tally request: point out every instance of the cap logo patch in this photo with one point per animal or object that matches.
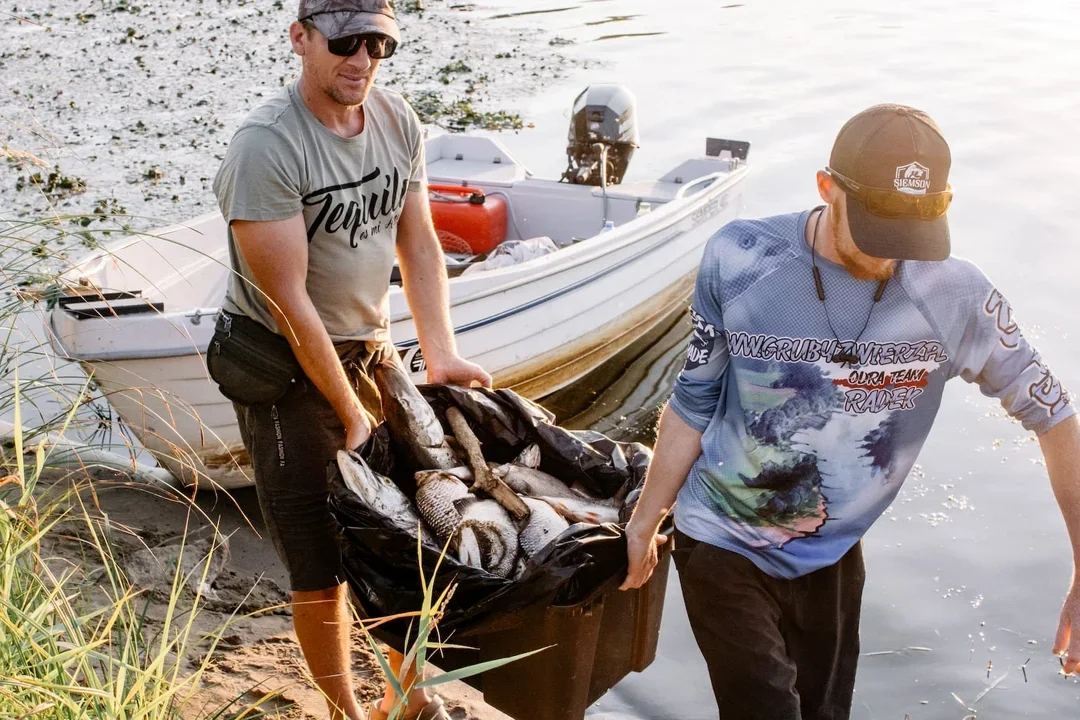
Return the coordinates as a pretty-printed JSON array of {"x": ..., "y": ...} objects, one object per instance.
[{"x": 913, "y": 179}]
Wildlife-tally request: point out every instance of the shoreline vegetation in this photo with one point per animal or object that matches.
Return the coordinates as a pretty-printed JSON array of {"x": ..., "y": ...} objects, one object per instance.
[
  {"x": 127, "y": 598},
  {"x": 125, "y": 108}
]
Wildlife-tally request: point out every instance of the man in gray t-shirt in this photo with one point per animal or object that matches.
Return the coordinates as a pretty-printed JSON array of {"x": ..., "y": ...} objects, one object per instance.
[{"x": 321, "y": 187}]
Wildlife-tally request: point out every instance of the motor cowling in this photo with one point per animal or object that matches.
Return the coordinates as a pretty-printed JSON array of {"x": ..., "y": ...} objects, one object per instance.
[{"x": 603, "y": 135}]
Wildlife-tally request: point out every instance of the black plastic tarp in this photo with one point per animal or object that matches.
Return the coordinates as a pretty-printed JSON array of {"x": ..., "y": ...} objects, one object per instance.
[{"x": 381, "y": 561}]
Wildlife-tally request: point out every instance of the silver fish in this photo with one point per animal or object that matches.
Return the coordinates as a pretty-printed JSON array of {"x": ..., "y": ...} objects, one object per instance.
[
  {"x": 462, "y": 473},
  {"x": 579, "y": 509},
  {"x": 412, "y": 421},
  {"x": 436, "y": 491},
  {"x": 487, "y": 537},
  {"x": 529, "y": 457},
  {"x": 544, "y": 525},
  {"x": 381, "y": 495},
  {"x": 532, "y": 482}
]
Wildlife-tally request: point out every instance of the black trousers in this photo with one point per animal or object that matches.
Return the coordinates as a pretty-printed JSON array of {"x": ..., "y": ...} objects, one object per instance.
[
  {"x": 776, "y": 649},
  {"x": 291, "y": 443}
]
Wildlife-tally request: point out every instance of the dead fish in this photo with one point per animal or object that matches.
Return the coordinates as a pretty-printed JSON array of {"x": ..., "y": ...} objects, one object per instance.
[
  {"x": 544, "y": 525},
  {"x": 520, "y": 566},
  {"x": 578, "y": 509},
  {"x": 436, "y": 491},
  {"x": 412, "y": 421},
  {"x": 532, "y": 482},
  {"x": 529, "y": 457},
  {"x": 462, "y": 473},
  {"x": 487, "y": 537},
  {"x": 381, "y": 495}
]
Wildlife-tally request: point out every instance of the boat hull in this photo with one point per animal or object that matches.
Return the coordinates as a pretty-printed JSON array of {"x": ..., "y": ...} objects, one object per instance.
[
  {"x": 536, "y": 327},
  {"x": 182, "y": 419}
]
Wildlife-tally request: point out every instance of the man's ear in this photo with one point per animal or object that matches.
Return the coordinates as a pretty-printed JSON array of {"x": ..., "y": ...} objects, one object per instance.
[
  {"x": 827, "y": 187},
  {"x": 299, "y": 37}
]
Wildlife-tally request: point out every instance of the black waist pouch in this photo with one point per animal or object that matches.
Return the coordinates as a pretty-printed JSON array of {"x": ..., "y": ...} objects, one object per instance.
[{"x": 251, "y": 364}]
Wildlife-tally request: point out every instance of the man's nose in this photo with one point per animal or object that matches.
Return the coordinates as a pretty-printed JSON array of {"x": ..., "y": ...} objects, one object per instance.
[{"x": 361, "y": 60}]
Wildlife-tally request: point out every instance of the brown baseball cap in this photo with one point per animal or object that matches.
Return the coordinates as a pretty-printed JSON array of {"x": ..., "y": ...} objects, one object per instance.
[
  {"x": 340, "y": 18},
  {"x": 895, "y": 149}
]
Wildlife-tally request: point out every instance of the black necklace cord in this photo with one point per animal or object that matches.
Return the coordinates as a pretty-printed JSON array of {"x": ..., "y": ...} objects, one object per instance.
[
  {"x": 813, "y": 260},
  {"x": 840, "y": 356},
  {"x": 881, "y": 289}
]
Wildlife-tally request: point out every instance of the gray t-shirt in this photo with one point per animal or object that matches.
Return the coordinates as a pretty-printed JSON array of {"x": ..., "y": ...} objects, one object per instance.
[{"x": 282, "y": 162}]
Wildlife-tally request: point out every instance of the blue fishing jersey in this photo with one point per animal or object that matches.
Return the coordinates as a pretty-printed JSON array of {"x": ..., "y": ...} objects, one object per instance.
[{"x": 801, "y": 454}]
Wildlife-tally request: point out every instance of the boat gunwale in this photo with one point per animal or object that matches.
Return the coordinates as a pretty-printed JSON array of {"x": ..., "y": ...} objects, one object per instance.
[{"x": 566, "y": 259}]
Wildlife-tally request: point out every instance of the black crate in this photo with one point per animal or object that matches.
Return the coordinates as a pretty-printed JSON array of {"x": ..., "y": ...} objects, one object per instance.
[{"x": 597, "y": 642}]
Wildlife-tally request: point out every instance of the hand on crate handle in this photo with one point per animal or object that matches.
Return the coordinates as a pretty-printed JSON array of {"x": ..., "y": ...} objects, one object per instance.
[{"x": 641, "y": 555}]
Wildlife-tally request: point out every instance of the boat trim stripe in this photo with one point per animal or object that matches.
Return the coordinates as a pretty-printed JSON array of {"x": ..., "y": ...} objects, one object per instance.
[{"x": 543, "y": 299}]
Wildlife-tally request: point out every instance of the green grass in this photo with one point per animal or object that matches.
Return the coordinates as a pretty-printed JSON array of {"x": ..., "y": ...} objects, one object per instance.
[
  {"x": 77, "y": 645},
  {"x": 77, "y": 639}
]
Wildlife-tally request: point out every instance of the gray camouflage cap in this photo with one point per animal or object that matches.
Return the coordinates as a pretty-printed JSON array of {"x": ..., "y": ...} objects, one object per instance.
[{"x": 339, "y": 18}]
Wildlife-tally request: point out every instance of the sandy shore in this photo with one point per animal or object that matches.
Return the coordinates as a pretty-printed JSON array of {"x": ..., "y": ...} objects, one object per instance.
[{"x": 258, "y": 655}]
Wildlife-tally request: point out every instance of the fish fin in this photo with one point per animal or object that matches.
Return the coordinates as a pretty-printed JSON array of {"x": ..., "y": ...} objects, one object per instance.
[
  {"x": 574, "y": 516},
  {"x": 469, "y": 548},
  {"x": 554, "y": 503},
  {"x": 463, "y": 504},
  {"x": 578, "y": 490}
]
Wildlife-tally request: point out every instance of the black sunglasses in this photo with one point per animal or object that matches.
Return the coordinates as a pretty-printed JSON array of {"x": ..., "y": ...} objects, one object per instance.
[
  {"x": 379, "y": 46},
  {"x": 891, "y": 204}
]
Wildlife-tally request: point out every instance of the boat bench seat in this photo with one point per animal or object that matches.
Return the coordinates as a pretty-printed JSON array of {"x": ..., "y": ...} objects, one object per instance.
[
  {"x": 109, "y": 304},
  {"x": 475, "y": 172},
  {"x": 646, "y": 190}
]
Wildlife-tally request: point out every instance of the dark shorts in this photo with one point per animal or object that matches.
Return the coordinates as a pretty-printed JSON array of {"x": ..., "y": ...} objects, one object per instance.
[
  {"x": 291, "y": 442},
  {"x": 775, "y": 649}
]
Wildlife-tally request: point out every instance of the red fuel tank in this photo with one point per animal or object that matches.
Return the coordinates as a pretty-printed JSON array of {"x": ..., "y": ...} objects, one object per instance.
[{"x": 467, "y": 220}]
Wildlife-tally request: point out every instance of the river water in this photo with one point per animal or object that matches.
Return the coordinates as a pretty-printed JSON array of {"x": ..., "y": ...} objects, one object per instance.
[{"x": 967, "y": 570}]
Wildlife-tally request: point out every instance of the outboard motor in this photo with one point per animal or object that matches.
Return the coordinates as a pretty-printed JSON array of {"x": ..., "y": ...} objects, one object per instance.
[{"x": 603, "y": 135}]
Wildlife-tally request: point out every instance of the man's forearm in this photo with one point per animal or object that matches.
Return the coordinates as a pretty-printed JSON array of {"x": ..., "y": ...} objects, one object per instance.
[
  {"x": 1061, "y": 449},
  {"x": 677, "y": 449},
  {"x": 423, "y": 275},
  {"x": 315, "y": 351}
]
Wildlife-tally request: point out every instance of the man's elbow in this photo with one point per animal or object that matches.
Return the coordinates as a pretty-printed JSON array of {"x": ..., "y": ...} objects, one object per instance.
[
  {"x": 288, "y": 306},
  {"x": 1065, "y": 432}
]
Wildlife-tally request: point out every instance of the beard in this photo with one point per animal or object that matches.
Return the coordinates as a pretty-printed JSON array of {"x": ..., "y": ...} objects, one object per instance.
[{"x": 860, "y": 265}]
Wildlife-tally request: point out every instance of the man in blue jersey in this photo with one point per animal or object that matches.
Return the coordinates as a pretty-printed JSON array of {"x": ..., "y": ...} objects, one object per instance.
[{"x": 822, "y": 342}]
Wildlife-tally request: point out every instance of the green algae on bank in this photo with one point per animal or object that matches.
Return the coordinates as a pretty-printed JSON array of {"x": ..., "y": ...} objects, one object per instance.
[{"x": 132, "y": 105}]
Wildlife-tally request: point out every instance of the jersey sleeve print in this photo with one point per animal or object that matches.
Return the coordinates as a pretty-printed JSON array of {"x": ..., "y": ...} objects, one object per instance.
[
  {"x": 995, "y": 354},
  {"x": 699, "y": 386}
]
